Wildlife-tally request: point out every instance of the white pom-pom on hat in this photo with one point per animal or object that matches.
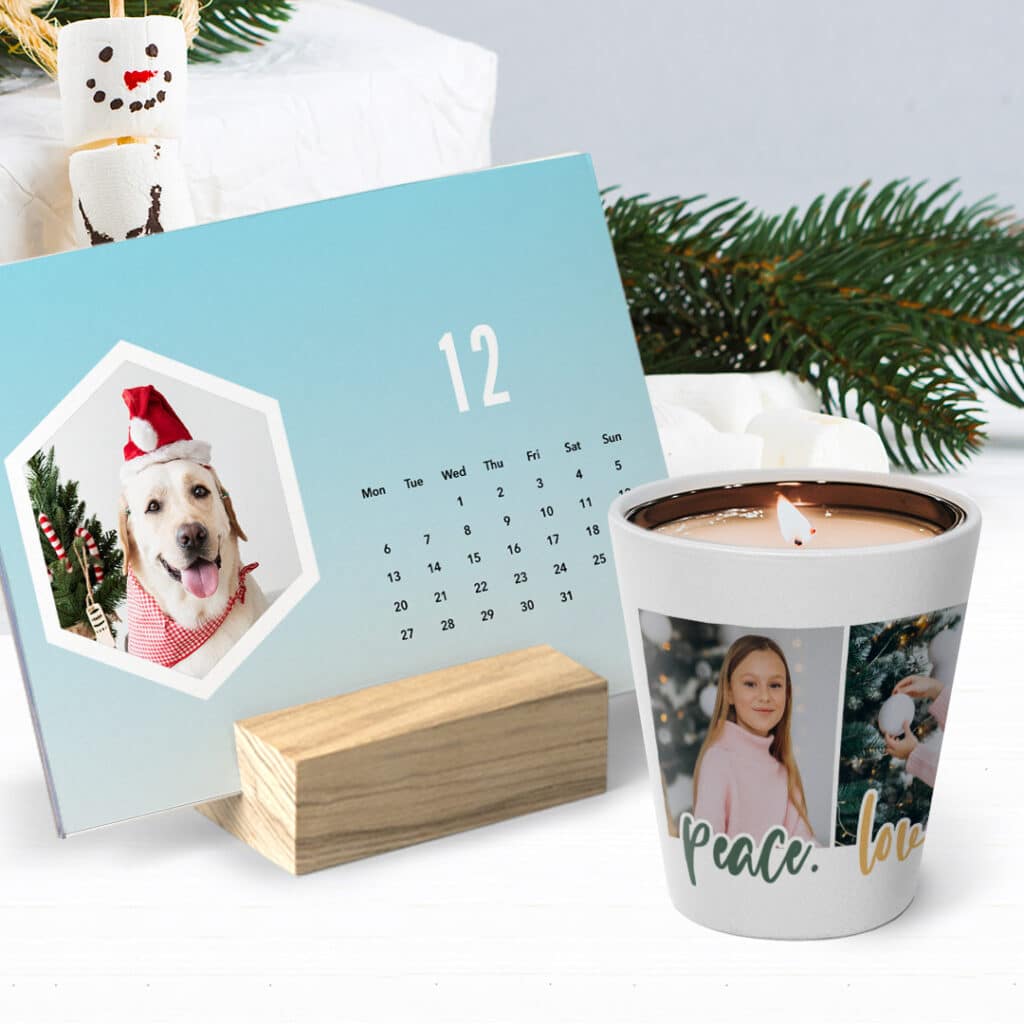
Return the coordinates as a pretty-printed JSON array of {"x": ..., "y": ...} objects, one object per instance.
[{"x": 143, "y": 434}]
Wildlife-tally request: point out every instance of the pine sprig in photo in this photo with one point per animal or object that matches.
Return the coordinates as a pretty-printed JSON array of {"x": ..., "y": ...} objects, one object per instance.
[{"x": 899, "y": 304}]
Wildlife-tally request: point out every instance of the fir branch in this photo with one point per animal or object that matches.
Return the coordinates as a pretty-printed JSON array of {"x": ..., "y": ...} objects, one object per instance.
[
  {"x": 898, "y": 305},
  {"x": 861, "y": 739}
]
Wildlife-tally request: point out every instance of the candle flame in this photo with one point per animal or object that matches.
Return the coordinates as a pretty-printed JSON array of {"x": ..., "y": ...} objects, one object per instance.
[{"x": 795, "y": 527}]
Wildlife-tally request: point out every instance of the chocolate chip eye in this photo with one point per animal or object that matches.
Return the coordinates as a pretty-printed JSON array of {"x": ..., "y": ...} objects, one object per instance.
[
  {"x": 106, "y": 53},
  {"x": 152, "y": 50}
]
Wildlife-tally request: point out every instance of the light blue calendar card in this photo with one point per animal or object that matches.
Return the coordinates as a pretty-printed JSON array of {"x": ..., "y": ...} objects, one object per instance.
[{"x": 316, "y": 450}]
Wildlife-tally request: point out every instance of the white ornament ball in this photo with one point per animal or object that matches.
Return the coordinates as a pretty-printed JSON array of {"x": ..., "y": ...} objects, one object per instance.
[
  {"x": 707, "y": 699},
  {"x": 899, "y": 708},
  {"x": 657, "y": 628}
]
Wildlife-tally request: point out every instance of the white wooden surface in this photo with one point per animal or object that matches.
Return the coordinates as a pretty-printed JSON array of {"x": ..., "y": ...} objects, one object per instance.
[{"x": 559, "y": 916}]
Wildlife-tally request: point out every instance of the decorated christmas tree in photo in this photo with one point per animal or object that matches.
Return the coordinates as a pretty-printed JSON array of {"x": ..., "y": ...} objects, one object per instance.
[{"x": 84, "y": 561}]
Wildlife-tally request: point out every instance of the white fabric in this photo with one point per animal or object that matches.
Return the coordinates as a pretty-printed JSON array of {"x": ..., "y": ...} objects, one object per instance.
[
  {"x": 121, "y": 77},
  {"x": 691, "y": 444},
  {"x": 708, "y": 453},
  {"x": 728, "y": 401},
  {"x": 345, "y": 99},
  {"x": 711, "y": 422},
  {"x": 125, "y": 191},
  {"x": 796, "y": 437}
]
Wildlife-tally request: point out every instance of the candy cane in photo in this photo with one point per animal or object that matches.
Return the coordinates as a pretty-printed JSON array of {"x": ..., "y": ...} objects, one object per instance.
[
  {"x": 51, "y": 535},
  {"x": 93, "y": 550}
]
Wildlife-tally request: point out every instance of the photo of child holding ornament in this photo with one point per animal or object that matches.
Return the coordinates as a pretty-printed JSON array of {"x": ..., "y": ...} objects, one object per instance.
[
  {"x": 745, "y": 724},
  {"x": 895, "y": 705},
  {"x": 922, "y": 758},
  {"x": 747, "y": 780}
]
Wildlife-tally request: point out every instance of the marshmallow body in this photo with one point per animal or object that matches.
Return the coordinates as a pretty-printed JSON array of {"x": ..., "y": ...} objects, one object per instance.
[
  {"x": 122, "y": 77},
  {"x": 798, "y": 438},
  {"x": 122, "y": 192}
]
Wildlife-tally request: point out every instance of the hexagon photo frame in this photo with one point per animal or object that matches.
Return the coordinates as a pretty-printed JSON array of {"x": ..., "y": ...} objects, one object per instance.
[{"x": 196, "y": 475}]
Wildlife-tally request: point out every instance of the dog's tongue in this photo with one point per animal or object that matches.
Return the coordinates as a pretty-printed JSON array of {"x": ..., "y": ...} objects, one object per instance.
[{"x": 201, "y": 579}]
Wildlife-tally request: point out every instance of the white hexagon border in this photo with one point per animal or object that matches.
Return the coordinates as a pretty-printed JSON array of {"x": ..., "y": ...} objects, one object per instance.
[{"x": 309, "y": 574}]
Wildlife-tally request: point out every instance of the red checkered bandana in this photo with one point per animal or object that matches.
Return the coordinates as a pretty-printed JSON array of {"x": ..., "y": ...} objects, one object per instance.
[{"x": 155, "y": 637}]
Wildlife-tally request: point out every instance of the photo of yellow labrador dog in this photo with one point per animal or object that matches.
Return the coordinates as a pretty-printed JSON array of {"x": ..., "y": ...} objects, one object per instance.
[{"x": 190, "y": 598}]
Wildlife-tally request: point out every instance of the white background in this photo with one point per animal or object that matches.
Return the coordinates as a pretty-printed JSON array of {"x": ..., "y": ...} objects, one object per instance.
[
  {"x": 563, "y": 915},
  {"x": 773, "y": 102}
]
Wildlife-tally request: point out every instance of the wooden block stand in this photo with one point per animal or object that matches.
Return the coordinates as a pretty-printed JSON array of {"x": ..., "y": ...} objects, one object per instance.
[{"x": 423, "y": 757}]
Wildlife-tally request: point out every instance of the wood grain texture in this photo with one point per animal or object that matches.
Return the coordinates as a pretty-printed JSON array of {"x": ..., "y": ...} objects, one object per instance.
[{"x": 347, "y": 777}]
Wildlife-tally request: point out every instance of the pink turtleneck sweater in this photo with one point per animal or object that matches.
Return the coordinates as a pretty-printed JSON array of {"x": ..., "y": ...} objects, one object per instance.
[{"x": 743, "y": 788}]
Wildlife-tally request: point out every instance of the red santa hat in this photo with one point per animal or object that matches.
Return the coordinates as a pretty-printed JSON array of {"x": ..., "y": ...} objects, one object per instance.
[{"x": 155, "y": 434}]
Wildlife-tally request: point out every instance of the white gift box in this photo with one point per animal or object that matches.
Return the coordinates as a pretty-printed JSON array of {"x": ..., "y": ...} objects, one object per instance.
[{"x": 345, "y": 98}]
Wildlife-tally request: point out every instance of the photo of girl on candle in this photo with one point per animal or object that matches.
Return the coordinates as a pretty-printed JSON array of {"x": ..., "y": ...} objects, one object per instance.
[
  {"x": 746, "y": 780},
  {"x": 896, "y": 698},
  {"x": 745, "y": 724}
]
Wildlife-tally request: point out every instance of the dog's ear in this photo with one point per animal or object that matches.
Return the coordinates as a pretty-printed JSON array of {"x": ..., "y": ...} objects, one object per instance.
[
  {"x": 124, "y": 533},
  {"x": 236, "y": 530}
]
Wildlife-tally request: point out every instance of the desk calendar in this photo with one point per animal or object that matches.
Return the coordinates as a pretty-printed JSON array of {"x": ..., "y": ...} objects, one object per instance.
[{"x": 352, "y": 442}]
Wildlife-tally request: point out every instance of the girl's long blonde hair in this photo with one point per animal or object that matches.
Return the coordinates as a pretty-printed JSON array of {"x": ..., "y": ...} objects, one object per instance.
[{"x": 782, "y": 745}]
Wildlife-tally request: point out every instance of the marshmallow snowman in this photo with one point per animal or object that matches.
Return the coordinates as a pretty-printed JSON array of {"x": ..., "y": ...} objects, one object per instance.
[
  {"x": 123, "y": 91},
  {"x": 122, "y": 77}
]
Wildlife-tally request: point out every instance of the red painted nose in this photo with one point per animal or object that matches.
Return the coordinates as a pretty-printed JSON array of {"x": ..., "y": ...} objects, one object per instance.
[{"x": 133, "y": 79}]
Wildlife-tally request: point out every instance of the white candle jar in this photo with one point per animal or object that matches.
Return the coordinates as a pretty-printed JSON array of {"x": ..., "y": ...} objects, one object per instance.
[{"x": 789, "y": 804}]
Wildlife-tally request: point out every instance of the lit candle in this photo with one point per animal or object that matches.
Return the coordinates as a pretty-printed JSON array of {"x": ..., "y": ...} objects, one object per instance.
[
  {"x": 783, "y": 524},
  {"x": 798, "y": 562}
]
